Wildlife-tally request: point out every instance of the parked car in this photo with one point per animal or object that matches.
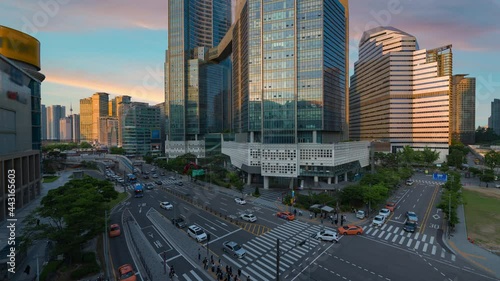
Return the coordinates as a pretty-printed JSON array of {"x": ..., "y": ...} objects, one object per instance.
[
  {"x": 240, "y": 201},
  {"x": 327, "y": 235},
  {"x": 197, "y": 233},
  {"x": 179, "y": 183},
  {"x": 248, "y": 217},
  {"x": 378, "y": 220},
  {"x": 155, "y": 176},
  {"x": 233, "y": 248},
  {"x": 409, "y": 182},
  {"x": 350, "y": 229},
  {"x": 171, "y": 178},
  {"x": 360, "y": 214},
  {"x": 158, "y": 182},
  {"x": 114, "y": 230},
  {"x": 385, "y": 212},
  {"x": 145, "y": 177},
  {"x": 391, "y": 206},
  {"x": 179, "y": 222},
  {"x": 126, "y": 273},
  {"x": 286, "y": 215},
  {"x": 411, "y": 216},
  {"x": 410, "y": 226},
  {"x": 166, "y": 205}
]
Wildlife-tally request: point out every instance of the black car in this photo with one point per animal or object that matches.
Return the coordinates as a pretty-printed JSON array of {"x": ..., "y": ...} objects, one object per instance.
[
  {"x": 179, "y": 222},
  {"x": 179, "y": 183},
  {"x": 410, "y": 226},
  {"x": 158, "y": 182},
  {"x": 145, "y": 177}
]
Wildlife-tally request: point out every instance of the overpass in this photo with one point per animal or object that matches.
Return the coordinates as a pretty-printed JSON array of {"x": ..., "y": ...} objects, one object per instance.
[{"x": 224, "y": 49}]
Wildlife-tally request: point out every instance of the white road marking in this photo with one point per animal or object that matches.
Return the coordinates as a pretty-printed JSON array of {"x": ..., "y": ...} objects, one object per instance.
[
  {"x": 381, "y": 234},
  {"x": 416, "y": 245},
  {"x": 196, "y": 275},
  {"x": 416, "y": 235},
  {"x": 409, "y": 242},
  {"x": 387, "y": 237},
  {"x": 375, "y": 232},
  {"x": 424, "y": 237},
  {"x": 390, "y": 227},
  {"x": 394, "y": 239},
  {"x": 434, "y": 248},
  {"x": 431, "y": 241},
  {"x": 425, "y": 247},
  {"x": 402, "y": 239},
  {"x": 442, "y": 253}
]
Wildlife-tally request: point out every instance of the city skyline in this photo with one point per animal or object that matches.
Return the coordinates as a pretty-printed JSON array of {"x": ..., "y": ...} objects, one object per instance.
[{"x": 86, "y": 47}]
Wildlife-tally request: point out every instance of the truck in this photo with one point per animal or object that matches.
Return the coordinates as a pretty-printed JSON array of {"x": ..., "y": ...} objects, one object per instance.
[{"x": 138, "y": 190}]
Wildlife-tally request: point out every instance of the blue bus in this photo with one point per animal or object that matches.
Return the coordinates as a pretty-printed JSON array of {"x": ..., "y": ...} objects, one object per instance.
[
  {"x": 131, "y": 178},
  {"x": 138, "y": 190}
]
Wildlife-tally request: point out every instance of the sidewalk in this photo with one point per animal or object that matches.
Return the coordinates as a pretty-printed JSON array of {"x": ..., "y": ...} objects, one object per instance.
[{"x": 481, "y": 258}]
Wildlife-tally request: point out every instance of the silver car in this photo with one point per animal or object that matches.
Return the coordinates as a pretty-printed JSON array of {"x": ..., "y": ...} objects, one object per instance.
[{"x": 233, "y": 248}]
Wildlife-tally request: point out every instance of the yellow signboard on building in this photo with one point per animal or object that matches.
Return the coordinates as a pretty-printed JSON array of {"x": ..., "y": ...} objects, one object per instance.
[{"x": 20, "y": 46}]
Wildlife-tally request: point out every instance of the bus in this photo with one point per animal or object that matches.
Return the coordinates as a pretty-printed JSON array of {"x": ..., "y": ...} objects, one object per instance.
[
  {"x": 131, "y": 178},
  {"x": 138, "y": 191}
]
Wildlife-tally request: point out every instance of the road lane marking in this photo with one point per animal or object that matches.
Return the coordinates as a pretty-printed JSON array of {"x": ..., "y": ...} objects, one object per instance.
[
  {"x": 434, "y": 248},
  {"x": 381, "y": 234},
  {"x": 425, "y": 247},
  {"x": 416, "y": 245},
  {"x": 409, "y": 242},
  {"x": 429, "y": 209},
  {"x": 431, "y": 241},
  {"x": 387, "y": 237},
  {"x": 401, "y": 241},
  {"x": 394, "y": 239}
]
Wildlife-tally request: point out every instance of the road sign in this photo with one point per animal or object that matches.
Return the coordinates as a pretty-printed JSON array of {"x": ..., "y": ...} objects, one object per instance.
[{"x": 439, "y": 177}]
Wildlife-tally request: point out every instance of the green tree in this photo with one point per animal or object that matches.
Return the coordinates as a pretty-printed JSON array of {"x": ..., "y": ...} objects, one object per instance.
[
  {"x": 455, "y": 199},
  {"x": 352, "y": 195},
  {"x": 407, "y": 156},
  {"x": 375, "y": 194},
  {"x": 429, "y": 156},
  {"x": 71, "y": 215},
  {"x": 492, "y": 159},
  {"x": 85, "y": 145},
  {"x": 117, "y": 150},
  {"x": 456, "y": 158}
]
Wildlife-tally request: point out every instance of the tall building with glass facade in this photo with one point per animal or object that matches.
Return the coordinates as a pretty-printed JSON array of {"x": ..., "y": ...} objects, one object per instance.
[
  {"x": 196, "y": 89},
  {"x": 289, "y": 91},
  {"x": 400, "y": 93},
  {"x": 494, "y": 119},
  {"x": 463, "y": 115},
  {"x": 140, "y": 124},
  {"x": 54, "y": 114}
]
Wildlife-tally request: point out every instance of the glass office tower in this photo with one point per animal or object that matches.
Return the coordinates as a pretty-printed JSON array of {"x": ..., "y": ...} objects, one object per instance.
[{"x": 194, "y": 87}]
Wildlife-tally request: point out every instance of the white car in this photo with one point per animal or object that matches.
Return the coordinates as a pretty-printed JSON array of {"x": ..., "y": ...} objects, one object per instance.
[
  {"x": 360, "y": 214},
  {"x": 166, "y": 205},
  {"x": 378, "y": 220},
  {"x": 327, "y": 235},
  {"x": 385, "y": 212},
  {"x": 240, "y": 201},
  {"x": 197, "y": 233},
  {"x": 248, "y": 217}
]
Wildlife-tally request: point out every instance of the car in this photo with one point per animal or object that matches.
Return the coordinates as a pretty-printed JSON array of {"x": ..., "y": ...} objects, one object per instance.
[
  {"x": 126, "y": 273},
  {"x": 240, "y": 201},
  {"x": 166, "y": 205},
  {"x": 197, "y": 233},
  {"x": 179, "y": 183},
  {"x": 350, "y": 229},
  {"x": 145, "y": 177},
  {"x": 149, "y": 186},
  {"x": 114, "y": 230},
  {"x": 248, "y": 217},
  {"x": 411, "y": 216},
  {"x": 410, "y": 226},
  {"x": 497, "y": 185},
  {"x": 360, "y": 214},
  {"x": 155, "y": 176},
  {"x": 390, "y": 206},
  {"x": 378, "y": 220},
  {"x": 171, "y": 178},
  {"x": 286, "y": 215},
  {"x": 158, "y": 182},
  {"x": 162, "y": 173},
  {"x": 385, "y": 212},
  {"x": 409, "y": 182},
  {"x": 327, "y": 235},
  {"x": 179, "y": 222},
  {"x": 233, "y": 248}
]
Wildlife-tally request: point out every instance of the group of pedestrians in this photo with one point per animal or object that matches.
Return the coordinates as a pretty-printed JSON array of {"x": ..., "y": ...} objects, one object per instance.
[{"x": 223, "y": 274}]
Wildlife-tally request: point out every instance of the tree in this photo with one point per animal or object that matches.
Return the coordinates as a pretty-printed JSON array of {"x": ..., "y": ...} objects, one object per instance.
[
  {"x": 429, "y": 156},
  {"x": 407, "y": 155},
  {"x": 85, "y": 145},
  {"x": 375, "y": 194},
  {"x": 117, "y": 150},
  {"x": 72, "y": 214},
  {"x": 492, "y": 159},
  {"x": 456, "y": 158}
]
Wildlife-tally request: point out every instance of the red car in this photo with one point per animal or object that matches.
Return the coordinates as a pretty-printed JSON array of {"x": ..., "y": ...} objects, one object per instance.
[
  {"x": 126, "y": 273},
  {"x": 286, "y": 215},
  {"x": 390, "y": 206},
  {"x": 350, "y": 229}
]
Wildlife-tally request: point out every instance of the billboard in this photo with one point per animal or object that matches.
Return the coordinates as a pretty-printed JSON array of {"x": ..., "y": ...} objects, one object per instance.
[
  {"x": 439, "y": 177},
  {"x": 19, "y": 46}
]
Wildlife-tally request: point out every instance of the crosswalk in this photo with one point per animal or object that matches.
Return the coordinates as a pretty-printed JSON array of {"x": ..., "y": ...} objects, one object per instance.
[
  {"x": 260, "y": 259},
  {"x": 430, "y": 182},
  {"x": 191, "y": 276},
  {"x": 422, "y": 243}
]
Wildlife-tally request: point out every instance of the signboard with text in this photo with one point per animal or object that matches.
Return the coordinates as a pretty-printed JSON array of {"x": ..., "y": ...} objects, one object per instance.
[{"x": 439, "y": 177}]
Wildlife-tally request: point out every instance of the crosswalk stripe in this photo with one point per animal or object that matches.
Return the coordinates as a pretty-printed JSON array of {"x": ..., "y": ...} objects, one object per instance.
[
  {"x": 390, "y": 227},
  {"x": 416, "y": 235},
  {"x": 243, "y": 261},
  {"x": 402, "y": 232},
  {"x": 416, "y": 245},
  {"x": 231, "y": 260},
  {"x": 263, "y": 241},
  {"x": 453, "y": 258},
  {"x": 434, "y": 248},
  {"x": 381, "y": 234},
  {"x": 257, "y": 247},
  {"x": 396, "y": 229},
  {"x": 253, "y": 273},
  {"x": 431, "y": 241},
  {"x": 408, "y": 235},
  {"x": 402, "y": 239},
  {"x": 369, "y": 230},
  {"x": 425, "y": 247},
  {"x": 442, "y": 253},
  {"x": 424, "y": 237},
  {"x": 384, "y": 226},
  {"x": 196, "y": 275},
  {"x": 186, "y": 277},
  {"x": 388, "y": 234},
  {"x": 375, "y": 232},
  {"x": 249, "y": 254},
  {"x": 364, "y": 227},
  {"x": 409, "y": 242},
  {"x": 266, "y": 266},
  {"x": 394, "y": 239}
]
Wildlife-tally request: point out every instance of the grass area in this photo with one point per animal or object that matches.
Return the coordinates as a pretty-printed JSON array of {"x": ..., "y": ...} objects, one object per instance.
[
  {"x": 49, "y": 179},
  {"x": 483, "y": 221}
]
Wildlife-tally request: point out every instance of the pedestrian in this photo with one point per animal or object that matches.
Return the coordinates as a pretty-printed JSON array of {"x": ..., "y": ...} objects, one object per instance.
[
  {"x": 248, "y": 278},
  {"x": 341, "y": 221},
  {"x": 199, "y": 254},
  {"x": 295, "y": 212},
  {"x": 230, "y": 270},
  {"x": 227, "y": 268},
  {"x": 212, "y": 258},
  {"x": 213, "y": 266},
  {"x": 239, "y": 272}
]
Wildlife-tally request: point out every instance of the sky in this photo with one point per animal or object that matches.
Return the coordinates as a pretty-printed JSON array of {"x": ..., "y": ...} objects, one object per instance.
[{"x": 118, "y": 46}]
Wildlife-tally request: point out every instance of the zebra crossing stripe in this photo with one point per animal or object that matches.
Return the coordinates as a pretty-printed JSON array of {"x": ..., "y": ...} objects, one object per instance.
[
  {"x": 231, "y": 260},
  {"x": 402, "y": 239},
  {"x": 396, "y": 229},
  {"x": 394, "y": 239},
  {"x": 434, "y": 248},
  {"x": 390, "y": 227},
  {"x": 387, "y": 237},
  {"x": 186, "y": 277},
  {"x": 408, "y": 235},
  {"x": 442, "y": 253},
  {"x": 375, "y": 232},
  {"x": 369, "y": 230},
  {"x": 424, "y": 237},
  {"x": 266, "y": 266},
  {"x": 416, "y": 245},
  {"x": 402, "y": 233},
  {"x": 409, "y": 242},
  {"x": 384, "y": 226},
  {"x": 431, "y": 241},
  {"x": 425, "y": 247},
  {"x": 253, "y": 273},
  {"x": 381, "y": 234},
  {"x": 453, "y": 258},
  {"x": 195, "y": 275},
  {"x": 416, "y": 235}
]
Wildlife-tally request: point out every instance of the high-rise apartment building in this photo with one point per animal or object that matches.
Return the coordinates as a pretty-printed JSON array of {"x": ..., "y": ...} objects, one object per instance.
[
  {"x": 20, "y": 125},
  {"x": 44, "y": 123},
  {"x": 463, "y": 109},
  {"x": 86, "y": 120},
  {"x": 138, "y": 125},
  {"x": 66, "y": 132},
  {"x": 494, "y": 120},
  {"x": 75, "y": 127},
  {"x": 91, "y": 111},
  {"x": 115, "y": 110},
  {"x": 196, "y": 90},
  {"x": 108, "y": 135},
  {"x": 400, "y": 93},
  {"x": 54, "y": 114},
  {"x": 289, "y": 92}
]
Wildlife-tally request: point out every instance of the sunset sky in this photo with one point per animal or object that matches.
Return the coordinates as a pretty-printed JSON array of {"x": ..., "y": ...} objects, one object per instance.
[{"x": 118, "y": 46}]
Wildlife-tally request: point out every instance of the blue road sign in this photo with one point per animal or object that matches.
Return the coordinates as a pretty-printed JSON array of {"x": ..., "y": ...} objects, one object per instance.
[{"x": 439, "y": 177}]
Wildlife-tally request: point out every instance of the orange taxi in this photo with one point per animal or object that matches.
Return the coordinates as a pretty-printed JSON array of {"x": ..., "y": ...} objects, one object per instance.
[
  {"x": 126, "y": 273},
  {"x": 350, "y": 229},
  {"x": 390, "y": 206},
  {"x": 114, "y": 230},
  {"x": 286, "y": 215}
]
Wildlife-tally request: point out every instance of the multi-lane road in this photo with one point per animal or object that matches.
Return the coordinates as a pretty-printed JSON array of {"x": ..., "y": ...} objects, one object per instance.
[{"x": 381, "y": 253}]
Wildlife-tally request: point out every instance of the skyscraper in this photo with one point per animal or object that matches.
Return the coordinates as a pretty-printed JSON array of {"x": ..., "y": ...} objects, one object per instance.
[
  {"x": 494, "y": 120},
  {"x": 66, "y": 131},
  {"x": 401, "y": 93},
  {"x": 91, "y": 111},
  {"x": 138, "y": 121},
  {"x": 86, "y": 120},
  {"x": 195, "y": 89},
  {"x": 44, "y": 122},
  {"x": 289, "y": 91},
  {"x": 75, "y": 126},
  {"x": 463, "y": 113},
  {"x": 54, "y": 114}
]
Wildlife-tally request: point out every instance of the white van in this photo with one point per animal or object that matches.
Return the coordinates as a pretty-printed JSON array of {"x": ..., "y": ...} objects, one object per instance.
[{"x": 197, "y": 233}]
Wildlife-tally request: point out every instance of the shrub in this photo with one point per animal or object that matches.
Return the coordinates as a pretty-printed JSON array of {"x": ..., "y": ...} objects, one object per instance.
[
  {"x": 51, "y": 267},
  {"x": 88, "y": 257},
  {"x": 256, "y": 192},
  {"x": 85, "y": 270}
]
